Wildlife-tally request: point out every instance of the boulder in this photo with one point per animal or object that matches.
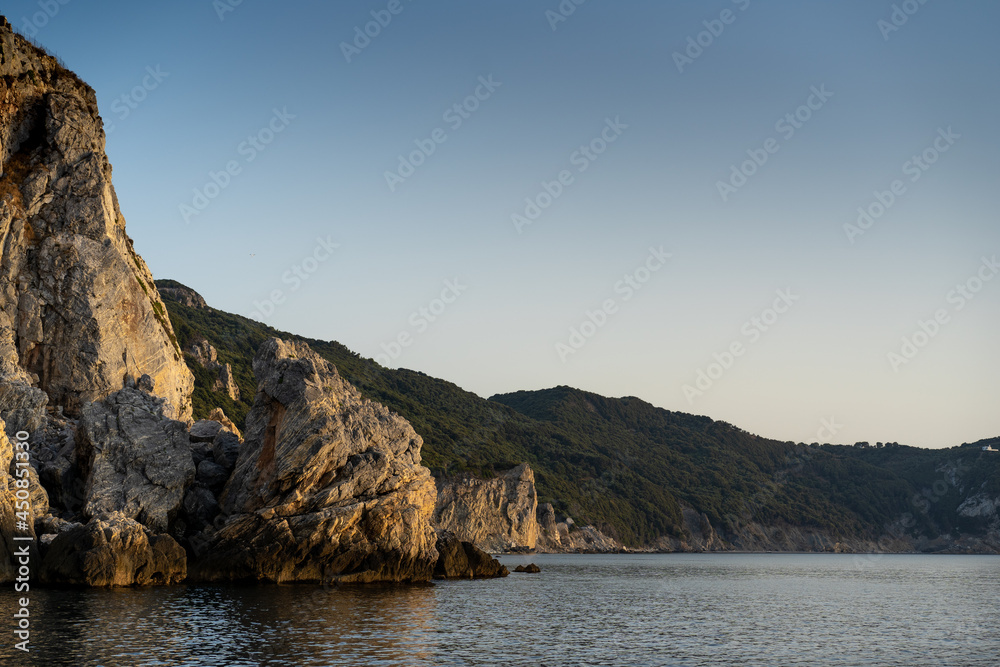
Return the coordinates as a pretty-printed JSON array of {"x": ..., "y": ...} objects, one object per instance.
[
  {"x": 200, "y": 506},
  {"x": 137, "y": 460},
  {"x": 204, "y": 430},
  {"x": 218, "y": 415},
  {"x": 464, "y": 560},
  {"x": 212, "y": 475},
  {"x": 226, "y": 449},
  {"x": 328, "y": 486},
  {"x": 112, "y": 550}
]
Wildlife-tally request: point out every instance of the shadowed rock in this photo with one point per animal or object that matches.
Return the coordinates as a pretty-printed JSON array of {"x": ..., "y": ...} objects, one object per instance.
[
  {"x": 138, "y": 461},
  {"x": 112, "y": 550},
  {"x": 464, "y": 560}
]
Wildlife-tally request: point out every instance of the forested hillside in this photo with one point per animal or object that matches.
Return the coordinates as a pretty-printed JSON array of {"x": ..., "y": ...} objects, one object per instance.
[{"x": 623, "y": 464}]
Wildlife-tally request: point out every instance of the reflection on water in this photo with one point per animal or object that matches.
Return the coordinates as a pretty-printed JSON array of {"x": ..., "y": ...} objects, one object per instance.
[{"x": 582, "y": 610}]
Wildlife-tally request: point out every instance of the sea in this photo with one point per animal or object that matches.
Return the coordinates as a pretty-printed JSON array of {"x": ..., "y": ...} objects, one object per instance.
[{"x": 628, "y": 610}]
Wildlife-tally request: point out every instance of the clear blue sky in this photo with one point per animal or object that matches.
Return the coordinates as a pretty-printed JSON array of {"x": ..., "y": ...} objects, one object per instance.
[{"x": 656, "y": 185}]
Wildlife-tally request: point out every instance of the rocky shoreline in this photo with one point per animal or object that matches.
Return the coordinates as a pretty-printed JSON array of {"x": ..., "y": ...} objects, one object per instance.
[{"x": 105, "y": 473}]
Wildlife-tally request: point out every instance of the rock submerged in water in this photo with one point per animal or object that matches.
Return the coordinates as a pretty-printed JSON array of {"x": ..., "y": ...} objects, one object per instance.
[
  {"x": 112, "y": 550},
  {"x": 530, "y": 568},
  {"x": 464, "y": 560},
  {"x": 328, "y": 486}
]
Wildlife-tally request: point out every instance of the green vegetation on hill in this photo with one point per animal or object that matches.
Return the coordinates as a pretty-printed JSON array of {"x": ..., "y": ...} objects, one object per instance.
[{"x": 623, "y": 464}]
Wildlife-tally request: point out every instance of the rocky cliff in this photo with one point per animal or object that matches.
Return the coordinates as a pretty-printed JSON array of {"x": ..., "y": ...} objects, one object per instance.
[
  {"x": 124, "y": 489},
  {"x": 328, "y": 486},
  {"x": 496, "y": 514},
  {"x": 78, "y": 308}
]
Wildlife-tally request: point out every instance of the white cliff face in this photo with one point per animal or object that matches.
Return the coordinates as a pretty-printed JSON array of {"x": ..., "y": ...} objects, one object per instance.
[
  {"x": 494, "y": 514},
  {"x": 78, "y": 308},
  {"x": 980, "y": 505}
]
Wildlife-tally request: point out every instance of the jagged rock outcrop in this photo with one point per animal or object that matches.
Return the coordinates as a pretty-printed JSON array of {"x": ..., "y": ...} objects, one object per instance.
[
  {"x": 463, "y": 560},
  {"x": 549, "y": 539},
  {"x": 218, "y": 415},
  {"x": 22, "y": 407},
  {"x": 328, "y": 485},
  {"x": 208, "y": 357},
  {"x": 565, "y": 537},
  {"x": 7, "y": 505},
  {"x": 496, "y": 514},
  {"x": 78, "y": 308},
  {"x": 587, "y": 539},
  {"x": 112, "y": 550},
  {"x": 138, "y": 461},
  {"x": 174, "y": 291}
]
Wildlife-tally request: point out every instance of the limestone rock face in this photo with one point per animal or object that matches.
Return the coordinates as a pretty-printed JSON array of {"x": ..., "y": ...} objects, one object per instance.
[
  {"x": 138, "y": 461},
  {"x": 181, "y": 294},
  {"x": 78, "y": 308},
  {"x": 112, "y": 550},
  {"x": 496, "y": 514},
  {"x": 208, "y": 357},
  {"x": 548, "y": 529},
  {"x": 328, "y": 486},
  {"x": 7, "y": 505},
  {"x": 463, "y": 560},
  {"x": 588, "y": 539},
  {"x": 219, "y": 416}
]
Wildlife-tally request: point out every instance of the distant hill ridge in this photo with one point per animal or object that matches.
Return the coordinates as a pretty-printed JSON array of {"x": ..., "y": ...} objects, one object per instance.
[{"x": 633, "y": 469}]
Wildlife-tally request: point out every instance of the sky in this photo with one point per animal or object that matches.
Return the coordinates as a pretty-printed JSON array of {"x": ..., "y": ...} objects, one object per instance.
[{"x": 781, "y": 215}]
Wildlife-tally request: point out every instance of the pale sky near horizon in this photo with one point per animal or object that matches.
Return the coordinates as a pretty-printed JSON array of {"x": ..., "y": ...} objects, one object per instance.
[{"x": 647, "y": 262}]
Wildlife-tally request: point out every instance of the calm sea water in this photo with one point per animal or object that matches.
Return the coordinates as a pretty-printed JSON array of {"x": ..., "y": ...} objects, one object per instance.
[{"x": 581, "y": 610}]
